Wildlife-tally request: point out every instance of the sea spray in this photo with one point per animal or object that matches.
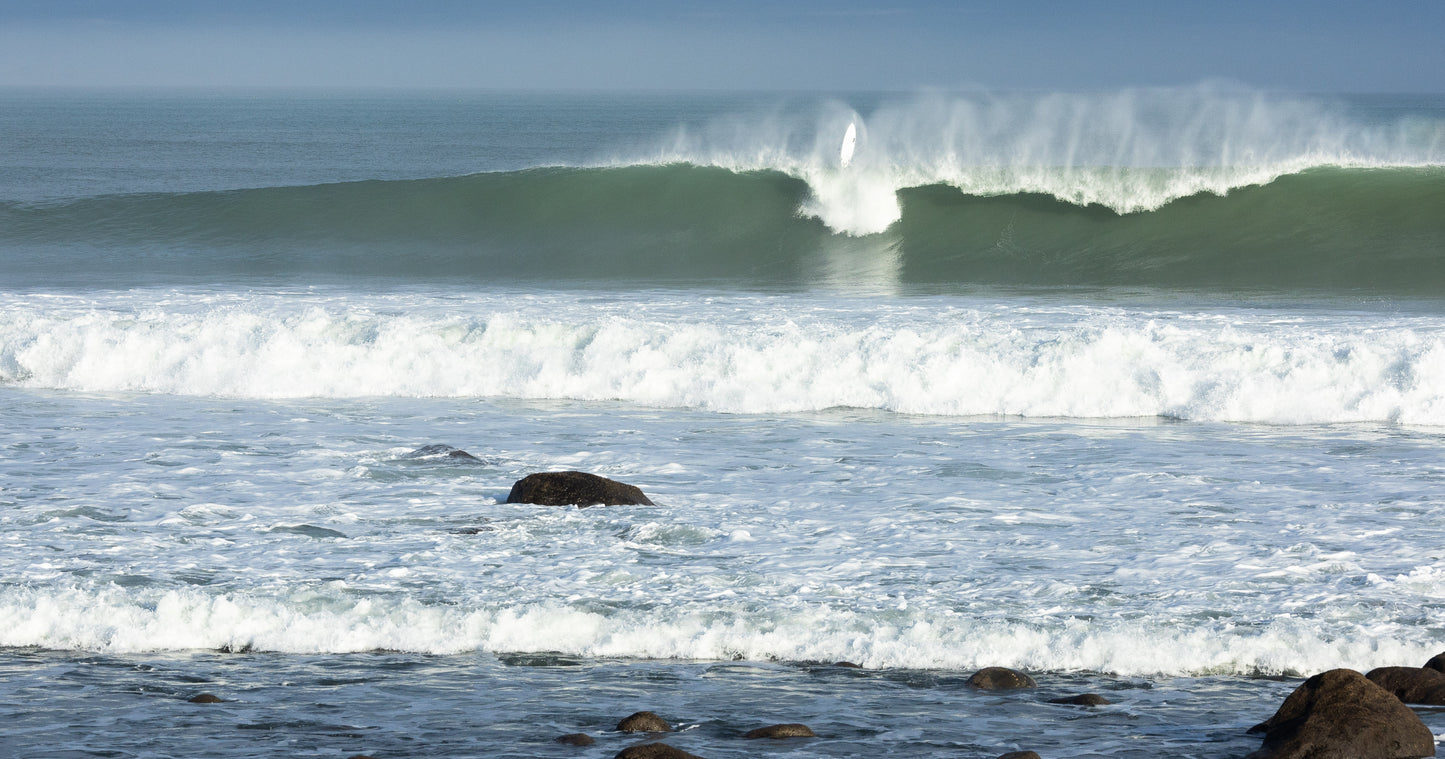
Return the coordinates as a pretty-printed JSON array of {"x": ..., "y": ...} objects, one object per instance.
[{"x": 1129, "y": 151}]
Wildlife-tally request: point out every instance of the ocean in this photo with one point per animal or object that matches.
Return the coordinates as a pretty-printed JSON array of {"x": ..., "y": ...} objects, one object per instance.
[{"x": 1141, "y": 392}]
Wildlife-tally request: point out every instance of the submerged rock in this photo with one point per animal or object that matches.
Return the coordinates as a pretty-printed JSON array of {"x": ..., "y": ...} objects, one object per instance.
[
  {"x": 1340, "y": 714},
  {"x": 1020, "y": 755},
  {"x": 654, "y": 751},
  {"x": 1001, "y": 678},
  {"x": 437, "y": 450},
  {"x": 643, "y": 722},
  {"x": 780, "y": 732},
  {"x": 575, "y": 739},
  {"x": 1083, "y": 699},
  {"x": 580, "y": 488},
  {"x": 205, "y": 698},
  {"x": 1413, "y": 685}
]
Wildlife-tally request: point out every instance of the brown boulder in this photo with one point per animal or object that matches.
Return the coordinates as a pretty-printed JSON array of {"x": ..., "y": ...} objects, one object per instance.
[
  {"x": 1437, "y": 662},
  {"x": 575, "y": 739},
  {"x": 1083, "y": 699},
  {"x": 1341, "y": 715},
  {"x": 779, "y": 732},
  {"x": 654, "y": 751},
  {"x": 1413, "y": 685},
  {"x": 580, "y": 488},
  {"x": 1001, "y": 678},
  {"x": 643, "y": 722},
  {"x": 205, "y": 698}
]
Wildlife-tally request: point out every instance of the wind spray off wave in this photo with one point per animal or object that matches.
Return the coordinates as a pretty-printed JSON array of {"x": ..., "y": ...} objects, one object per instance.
[{"x": 1129, "y": 151}]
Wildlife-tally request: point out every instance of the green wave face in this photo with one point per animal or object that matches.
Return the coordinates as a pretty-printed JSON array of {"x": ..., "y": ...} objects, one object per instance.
[{"x": 1344, "y": 229}]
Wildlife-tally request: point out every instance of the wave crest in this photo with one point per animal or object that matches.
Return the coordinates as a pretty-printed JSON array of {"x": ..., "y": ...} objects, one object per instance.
[{"x": 1129, "y": 151}]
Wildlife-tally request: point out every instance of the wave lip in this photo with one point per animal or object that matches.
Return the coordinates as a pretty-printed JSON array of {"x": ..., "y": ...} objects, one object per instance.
[{"x": 1129, "y": 151}]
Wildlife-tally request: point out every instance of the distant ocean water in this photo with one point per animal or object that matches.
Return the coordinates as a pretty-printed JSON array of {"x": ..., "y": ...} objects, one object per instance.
[{"x": 1142, "y": 392}]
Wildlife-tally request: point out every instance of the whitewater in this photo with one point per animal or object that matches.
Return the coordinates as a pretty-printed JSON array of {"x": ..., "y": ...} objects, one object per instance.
[{"x": 1141, "y": 392}]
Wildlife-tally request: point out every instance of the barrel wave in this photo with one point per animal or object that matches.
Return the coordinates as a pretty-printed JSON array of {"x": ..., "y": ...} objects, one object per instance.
[{"x": 1327, "y": 227}]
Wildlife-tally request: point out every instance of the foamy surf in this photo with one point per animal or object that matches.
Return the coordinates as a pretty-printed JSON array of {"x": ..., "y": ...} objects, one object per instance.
[{"x": 740, "y": 354}]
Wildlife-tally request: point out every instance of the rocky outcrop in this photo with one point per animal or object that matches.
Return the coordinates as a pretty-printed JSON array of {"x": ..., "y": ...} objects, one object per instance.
[
  {"x": 654, "y": 751},
  {"x": 1001, "y": 678},
  {"x": 1340, "y": 714},
  {"x": 1413, "y": 685},
  {"x": 205, "y": 698},
  {"x": 575, "y": 739},
  {"x": 779, "y": 732},
  {"x": 643, "y": 722},
  {"x": 1083, "y": 699},
  {"x": 579, "y": 488},
  {"x": 1437, "y": 662}
]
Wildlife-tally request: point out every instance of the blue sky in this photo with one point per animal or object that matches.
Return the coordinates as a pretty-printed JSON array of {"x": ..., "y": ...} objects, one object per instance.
[{"x": 1324, "y": 46}]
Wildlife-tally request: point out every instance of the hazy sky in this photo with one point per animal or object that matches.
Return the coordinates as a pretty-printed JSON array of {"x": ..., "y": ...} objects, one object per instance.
[{"x": 1327, "y": 45}]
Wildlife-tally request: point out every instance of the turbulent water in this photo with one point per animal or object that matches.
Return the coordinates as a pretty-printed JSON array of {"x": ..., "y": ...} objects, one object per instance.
[{"x": 1141, "y": 392}]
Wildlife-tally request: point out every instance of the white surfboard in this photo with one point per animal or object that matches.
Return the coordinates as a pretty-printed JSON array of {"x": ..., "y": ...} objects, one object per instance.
[{"x": 850, "y": 141}]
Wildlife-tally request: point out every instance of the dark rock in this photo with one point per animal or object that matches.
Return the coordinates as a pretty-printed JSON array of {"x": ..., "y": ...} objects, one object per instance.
[
  {"x": 1413, "y": 685},
  {"x": 428, "y": 451},
  {"x": 1341, "y": 715},
  {"x": 847, "y": 664},
  {"x": 580, "y": 488},
  {"x": 205, "y": 698},
  {"x": 654, "y": 751},
  {"x": 1083, "y": 699},
  {"x": 643, "y": 722},
  {"x": 779, "y": 732},
  {"x": 576, "y": 739},
  {"x": 1021, "y": 755},
  {"x": 1001, "y": 678},
  {"x": 1437, "y": 662}
]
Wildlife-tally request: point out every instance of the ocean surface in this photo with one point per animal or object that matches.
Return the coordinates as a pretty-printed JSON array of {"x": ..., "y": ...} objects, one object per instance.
[{"x": 1142, "y": 392}]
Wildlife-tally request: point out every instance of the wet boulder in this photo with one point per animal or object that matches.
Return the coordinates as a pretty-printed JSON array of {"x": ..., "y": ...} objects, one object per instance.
[
  {"x": 780, "y": 732},
  {"x": 579, "y": 488},
  {"x": 1413, "y": 685},
  {"x": 575, "y": 739},
  {"x": 654, "y": 751},
  {"x": 1020, "y": 755},
  {"x": 643, "y": 722},
  {"x": 1437, "y": 662},
  {"x": 1000, "y": 678},
  {"x": 1340, "y": 714},
  {"x": 205, "y": 698}
]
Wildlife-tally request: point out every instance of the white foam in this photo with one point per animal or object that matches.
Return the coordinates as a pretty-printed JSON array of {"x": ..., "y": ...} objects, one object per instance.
[
  {"x": 1131, "y": 150},
  {"x": 746, "y": 354},
  {"x": 328, "y": 620}
]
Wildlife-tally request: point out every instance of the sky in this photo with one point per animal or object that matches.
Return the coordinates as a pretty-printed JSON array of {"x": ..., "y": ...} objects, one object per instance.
[{"x": 805, "y": 45}]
